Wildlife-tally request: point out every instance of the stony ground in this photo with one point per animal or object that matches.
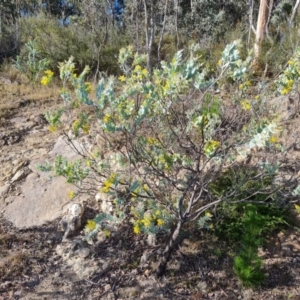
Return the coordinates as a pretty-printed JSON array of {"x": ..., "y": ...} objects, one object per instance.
[{"x": 36, "y": 264}]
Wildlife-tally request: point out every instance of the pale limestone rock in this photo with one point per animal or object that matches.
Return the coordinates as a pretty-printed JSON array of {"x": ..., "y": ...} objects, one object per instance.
[
  {"x": 20, "y": 174},
  {"x": 73, "y": 220}
]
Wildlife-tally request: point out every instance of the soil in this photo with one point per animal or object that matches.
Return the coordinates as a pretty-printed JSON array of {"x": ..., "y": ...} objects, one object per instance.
[{"x": 200, "y": 266}]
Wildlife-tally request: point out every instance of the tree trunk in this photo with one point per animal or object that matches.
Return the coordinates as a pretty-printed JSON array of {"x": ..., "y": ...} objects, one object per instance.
[
  {"x": 261, "y": 26},
  {"x": 169, "y": 248},
  {"x": 294, "y": 13},
  {"x": 250, "y": 4},
  {"x": 162, "y": 31}
]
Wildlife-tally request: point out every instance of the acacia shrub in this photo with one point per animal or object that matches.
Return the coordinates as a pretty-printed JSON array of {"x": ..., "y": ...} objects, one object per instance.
[{"x": 176, "y": 141}]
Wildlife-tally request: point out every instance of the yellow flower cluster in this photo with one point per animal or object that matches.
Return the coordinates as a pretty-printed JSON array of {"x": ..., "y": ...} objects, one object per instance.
[
  {"x": 47, "y": 78},
  {"x": 273, "y": 139},
  {"x": 245, "y": 85},
  {"x": 155, "y": 219},
  {"x": 90, "y": 225},
  {"x": 86, "y": 128},
  {"x": 288, "y": 80},
  {"x": 122, "y": 78},
  {"x": 106, "y": 118},
  {"x": 297, "y": 207},
  {"x": 107, "y": 184},
  {"x": 211, "y": 146},
  {"x": 152, "y": 141},
  {"x": 289, "y": 83},
  {"x": 52, "y": 128},
  {"x": 88, "y": 87},
  {"x": 71, "y": 194},
  {"x": 245, "y": 105}
]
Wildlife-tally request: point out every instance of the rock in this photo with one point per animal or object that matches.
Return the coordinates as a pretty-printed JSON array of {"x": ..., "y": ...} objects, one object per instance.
[
  {"x": 101, "y": 237},
  {"x": 151, "y": 239},
  {"x": 20, "y": 174},
  {"x": 72, "y": 221},
  {"x": 84, "y": 253},
  {"x": 3, "y": 190},
  {"x": 39, "y": 119},
  {"x": 285, "y": 106},
  {"x": 62, "y": 148},
  {"x": 74, "y": 254},
  {"x": 42, "y": 200}
]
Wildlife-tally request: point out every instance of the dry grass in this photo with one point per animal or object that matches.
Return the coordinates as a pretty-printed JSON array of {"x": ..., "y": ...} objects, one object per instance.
[{"x": 15, "y": 94}]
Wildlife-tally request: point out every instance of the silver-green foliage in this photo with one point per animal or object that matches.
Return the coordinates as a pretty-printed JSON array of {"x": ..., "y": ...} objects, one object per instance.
[
  {"x": 172, "y": 141},
  {"x": 34, "y": 65}
]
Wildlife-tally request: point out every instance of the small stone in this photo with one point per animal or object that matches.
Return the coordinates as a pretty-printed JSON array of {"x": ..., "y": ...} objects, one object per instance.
[
  {"x": 17, "y": 293},
  {"x": 107, "y": 287},
  {"x": 151, "y": 240},
  {"x": 295, "y": 260},
  {"x": 85, "y": 252},
  {"x": 105, "y": 266},
  {"x": 286, "y": 251},
  {"x": 19, "y": 175},
  {"x": 101, "y": 236}
]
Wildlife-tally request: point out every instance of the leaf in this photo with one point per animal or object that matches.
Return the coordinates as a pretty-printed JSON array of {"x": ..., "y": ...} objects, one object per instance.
[{"x": 134, "y": 186}]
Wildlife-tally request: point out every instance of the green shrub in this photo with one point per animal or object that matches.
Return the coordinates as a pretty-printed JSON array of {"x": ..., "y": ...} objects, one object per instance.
[
  {"x": 34, "y": 64},
  {"x": 167, "y": 141},
  {"x": 246, "y": 226},
  {"x": 57, "y": 43}
]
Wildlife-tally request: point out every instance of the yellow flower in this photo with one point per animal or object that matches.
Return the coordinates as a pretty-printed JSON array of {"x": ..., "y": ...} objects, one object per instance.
[
  {"x": 137, "y": 69},
  {"x": 167, "y": 86},
  {"x": 256, "y": 97},
  {"x": 86, "y": 128},
  {"x": 297, "y": 207},
  {"x": 273, "y": 139},
  {"x": 106, "y": 118},
  {"x": 290, "y": 82},
  {"x": 160, "y": 222},
  {"x": 122, "y": 78},
  {"x": 151, "y": 141},
  {"x": 90, "y": 225},
  {"x": 211, "y": 146},
  {"x": 88, "y": 162},
  {"x": 107, "y": 186},
  {"x": 71, "y": 195},
  {"x": 49, "y": 73},
  {"x": 248, "y": 83},
  {"x": 285, "y": 91},
  {"x": 106, "y": 232},
  {"x": 157, "y": 212},
  {"x": 146, "y": 222},
  {"x": 290, "y": 62},
  {"x": 108, "y": 183},
  {"x": 208, "y": 214},
  {"x": 136, "y": 229},
  {"x": 45, "y": 80},
  {"x": 52, "y": 128},
  {"x": 88, "y": 87},
  {"x": 245, "y": 105},
  {"x": 145, "y": 72}
]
